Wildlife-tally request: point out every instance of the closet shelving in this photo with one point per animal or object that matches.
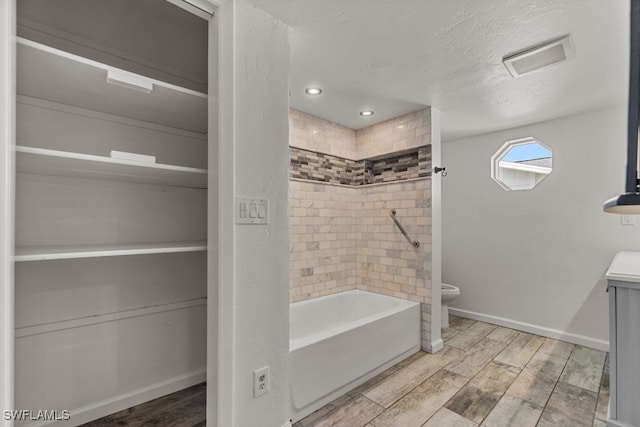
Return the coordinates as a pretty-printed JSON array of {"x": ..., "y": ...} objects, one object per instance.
[
  {"x": 111, "y": 204},
  {"x": 74, "y": 80},
  {"x": 80, "y": 82}
]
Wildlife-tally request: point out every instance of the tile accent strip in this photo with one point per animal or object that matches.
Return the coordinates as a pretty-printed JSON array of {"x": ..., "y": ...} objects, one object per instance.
[{"x": 313, "y": 166}]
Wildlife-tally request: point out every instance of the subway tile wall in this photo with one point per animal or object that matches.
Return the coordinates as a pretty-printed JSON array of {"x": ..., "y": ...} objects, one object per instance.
[
  {"x": 387, "y": 263},
  {"x": 391, "y": 136},
  {"x": 399, "y": 134},
  {"x": 316, "y": 134},
  {"x": 323, "y": 239}
]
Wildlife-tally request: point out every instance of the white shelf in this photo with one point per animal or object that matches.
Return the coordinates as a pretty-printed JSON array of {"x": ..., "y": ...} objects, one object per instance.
[
  {"x": 51, "y": 253},
  {"x": 97, "y": 319},
  {"x": 43, "y": 161},
  {"x": 48, "y": 73}
]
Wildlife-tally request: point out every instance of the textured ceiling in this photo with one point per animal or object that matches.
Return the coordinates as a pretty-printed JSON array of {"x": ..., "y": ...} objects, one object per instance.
[{"x": 395, "y": 56}]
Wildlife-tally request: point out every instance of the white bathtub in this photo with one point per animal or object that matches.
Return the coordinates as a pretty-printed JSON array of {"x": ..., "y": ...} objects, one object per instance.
[{"x": 339, "y": 341}]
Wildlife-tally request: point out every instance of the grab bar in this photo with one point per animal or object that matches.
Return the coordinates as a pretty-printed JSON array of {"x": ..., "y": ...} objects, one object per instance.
[{"x": 415, "y": 243}]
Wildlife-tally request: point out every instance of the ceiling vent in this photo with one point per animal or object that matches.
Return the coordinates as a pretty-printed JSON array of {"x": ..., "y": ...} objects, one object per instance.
[{"x": 536, "y": 58}]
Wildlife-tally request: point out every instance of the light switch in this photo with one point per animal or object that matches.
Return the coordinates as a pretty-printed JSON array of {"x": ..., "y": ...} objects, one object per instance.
[{"x": 252, "y": 211}]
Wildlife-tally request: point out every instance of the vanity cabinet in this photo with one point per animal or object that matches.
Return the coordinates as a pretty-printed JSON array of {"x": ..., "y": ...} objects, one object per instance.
[{"x": 624, "y": 324}]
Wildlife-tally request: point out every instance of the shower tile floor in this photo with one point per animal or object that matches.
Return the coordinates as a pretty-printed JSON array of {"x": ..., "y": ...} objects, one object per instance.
[{"x": 486, "y": 375}]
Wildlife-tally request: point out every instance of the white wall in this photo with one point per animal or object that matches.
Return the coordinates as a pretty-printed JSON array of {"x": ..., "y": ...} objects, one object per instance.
[
  {"x": 538, "y": 257},
  {"x": 254, "y": 259}
]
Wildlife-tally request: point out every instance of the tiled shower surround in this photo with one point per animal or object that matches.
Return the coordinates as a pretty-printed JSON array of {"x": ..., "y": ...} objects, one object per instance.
[{"x": 342, "y": 236}]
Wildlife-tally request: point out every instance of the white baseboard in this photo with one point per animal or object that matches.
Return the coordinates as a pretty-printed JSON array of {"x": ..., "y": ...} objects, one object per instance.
[
  {"x": 534, "y": 329},
  {"x": 434, "y": 346},
  {"x": 616, "y": 423},
  {"x": 287, "y": 424},
  {"x": 127, "y": 400}
]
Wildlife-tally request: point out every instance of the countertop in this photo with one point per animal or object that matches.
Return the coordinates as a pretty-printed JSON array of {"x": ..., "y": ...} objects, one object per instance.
[{"x": 625, "y": 267}]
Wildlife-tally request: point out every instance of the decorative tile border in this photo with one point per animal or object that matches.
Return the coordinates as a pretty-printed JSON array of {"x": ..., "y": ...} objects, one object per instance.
[{"x": 313, "y": 166}]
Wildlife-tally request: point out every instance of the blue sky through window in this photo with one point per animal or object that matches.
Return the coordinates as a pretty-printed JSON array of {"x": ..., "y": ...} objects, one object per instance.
[{"x": 526, "y": 152}]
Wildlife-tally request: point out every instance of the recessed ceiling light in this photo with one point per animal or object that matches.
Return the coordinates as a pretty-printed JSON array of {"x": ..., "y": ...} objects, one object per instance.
[
  {"x": 313, "y": 91},
  {"x": 366, "y": 113},
  {"x": 540, "y": 56}
]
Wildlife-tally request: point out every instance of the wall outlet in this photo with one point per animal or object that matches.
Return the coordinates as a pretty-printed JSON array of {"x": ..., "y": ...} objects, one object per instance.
[
  {"x": 628, "y": 220},
  {"x": 261, "y": 382}
]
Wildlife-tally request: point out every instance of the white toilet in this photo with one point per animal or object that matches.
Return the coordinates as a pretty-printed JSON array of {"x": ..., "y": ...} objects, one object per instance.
[{"x": 448, "y": 293}]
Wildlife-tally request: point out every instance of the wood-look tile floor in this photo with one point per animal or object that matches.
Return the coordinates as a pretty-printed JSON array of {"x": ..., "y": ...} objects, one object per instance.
[
  {"x": 185, "y": 408},
  {"x": 486, "y": 375}
]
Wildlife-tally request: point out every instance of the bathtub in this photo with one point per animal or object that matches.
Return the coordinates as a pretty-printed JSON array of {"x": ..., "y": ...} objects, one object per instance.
[{"x": 339, "y": 341}]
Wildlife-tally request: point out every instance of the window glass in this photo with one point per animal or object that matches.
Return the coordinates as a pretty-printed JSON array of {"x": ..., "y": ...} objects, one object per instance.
[{"x": 521, "y": 164}]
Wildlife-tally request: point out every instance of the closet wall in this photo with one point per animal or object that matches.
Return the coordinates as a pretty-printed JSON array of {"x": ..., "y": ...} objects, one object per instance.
[{"x": 110, "y": 273}]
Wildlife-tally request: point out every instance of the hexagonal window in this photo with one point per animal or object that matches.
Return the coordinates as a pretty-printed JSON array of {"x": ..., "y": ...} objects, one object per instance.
[{"x": 521, "y": 164}]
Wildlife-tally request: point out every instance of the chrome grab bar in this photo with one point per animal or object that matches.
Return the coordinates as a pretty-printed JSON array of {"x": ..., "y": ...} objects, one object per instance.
[{"x": 415, "y": 243}]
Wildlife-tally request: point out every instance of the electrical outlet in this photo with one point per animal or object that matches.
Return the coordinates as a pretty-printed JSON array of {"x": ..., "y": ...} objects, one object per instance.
[
  {"x": 261, "y": 382},
  {"x": 628, "y": 220}
]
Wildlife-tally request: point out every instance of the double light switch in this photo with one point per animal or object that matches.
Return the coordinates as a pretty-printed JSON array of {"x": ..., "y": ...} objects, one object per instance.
[{"x": 252, "y": 211}]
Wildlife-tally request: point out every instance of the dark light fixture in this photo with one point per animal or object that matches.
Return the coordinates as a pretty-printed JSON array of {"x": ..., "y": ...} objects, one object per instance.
[{"x": 629, "y": 202}]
